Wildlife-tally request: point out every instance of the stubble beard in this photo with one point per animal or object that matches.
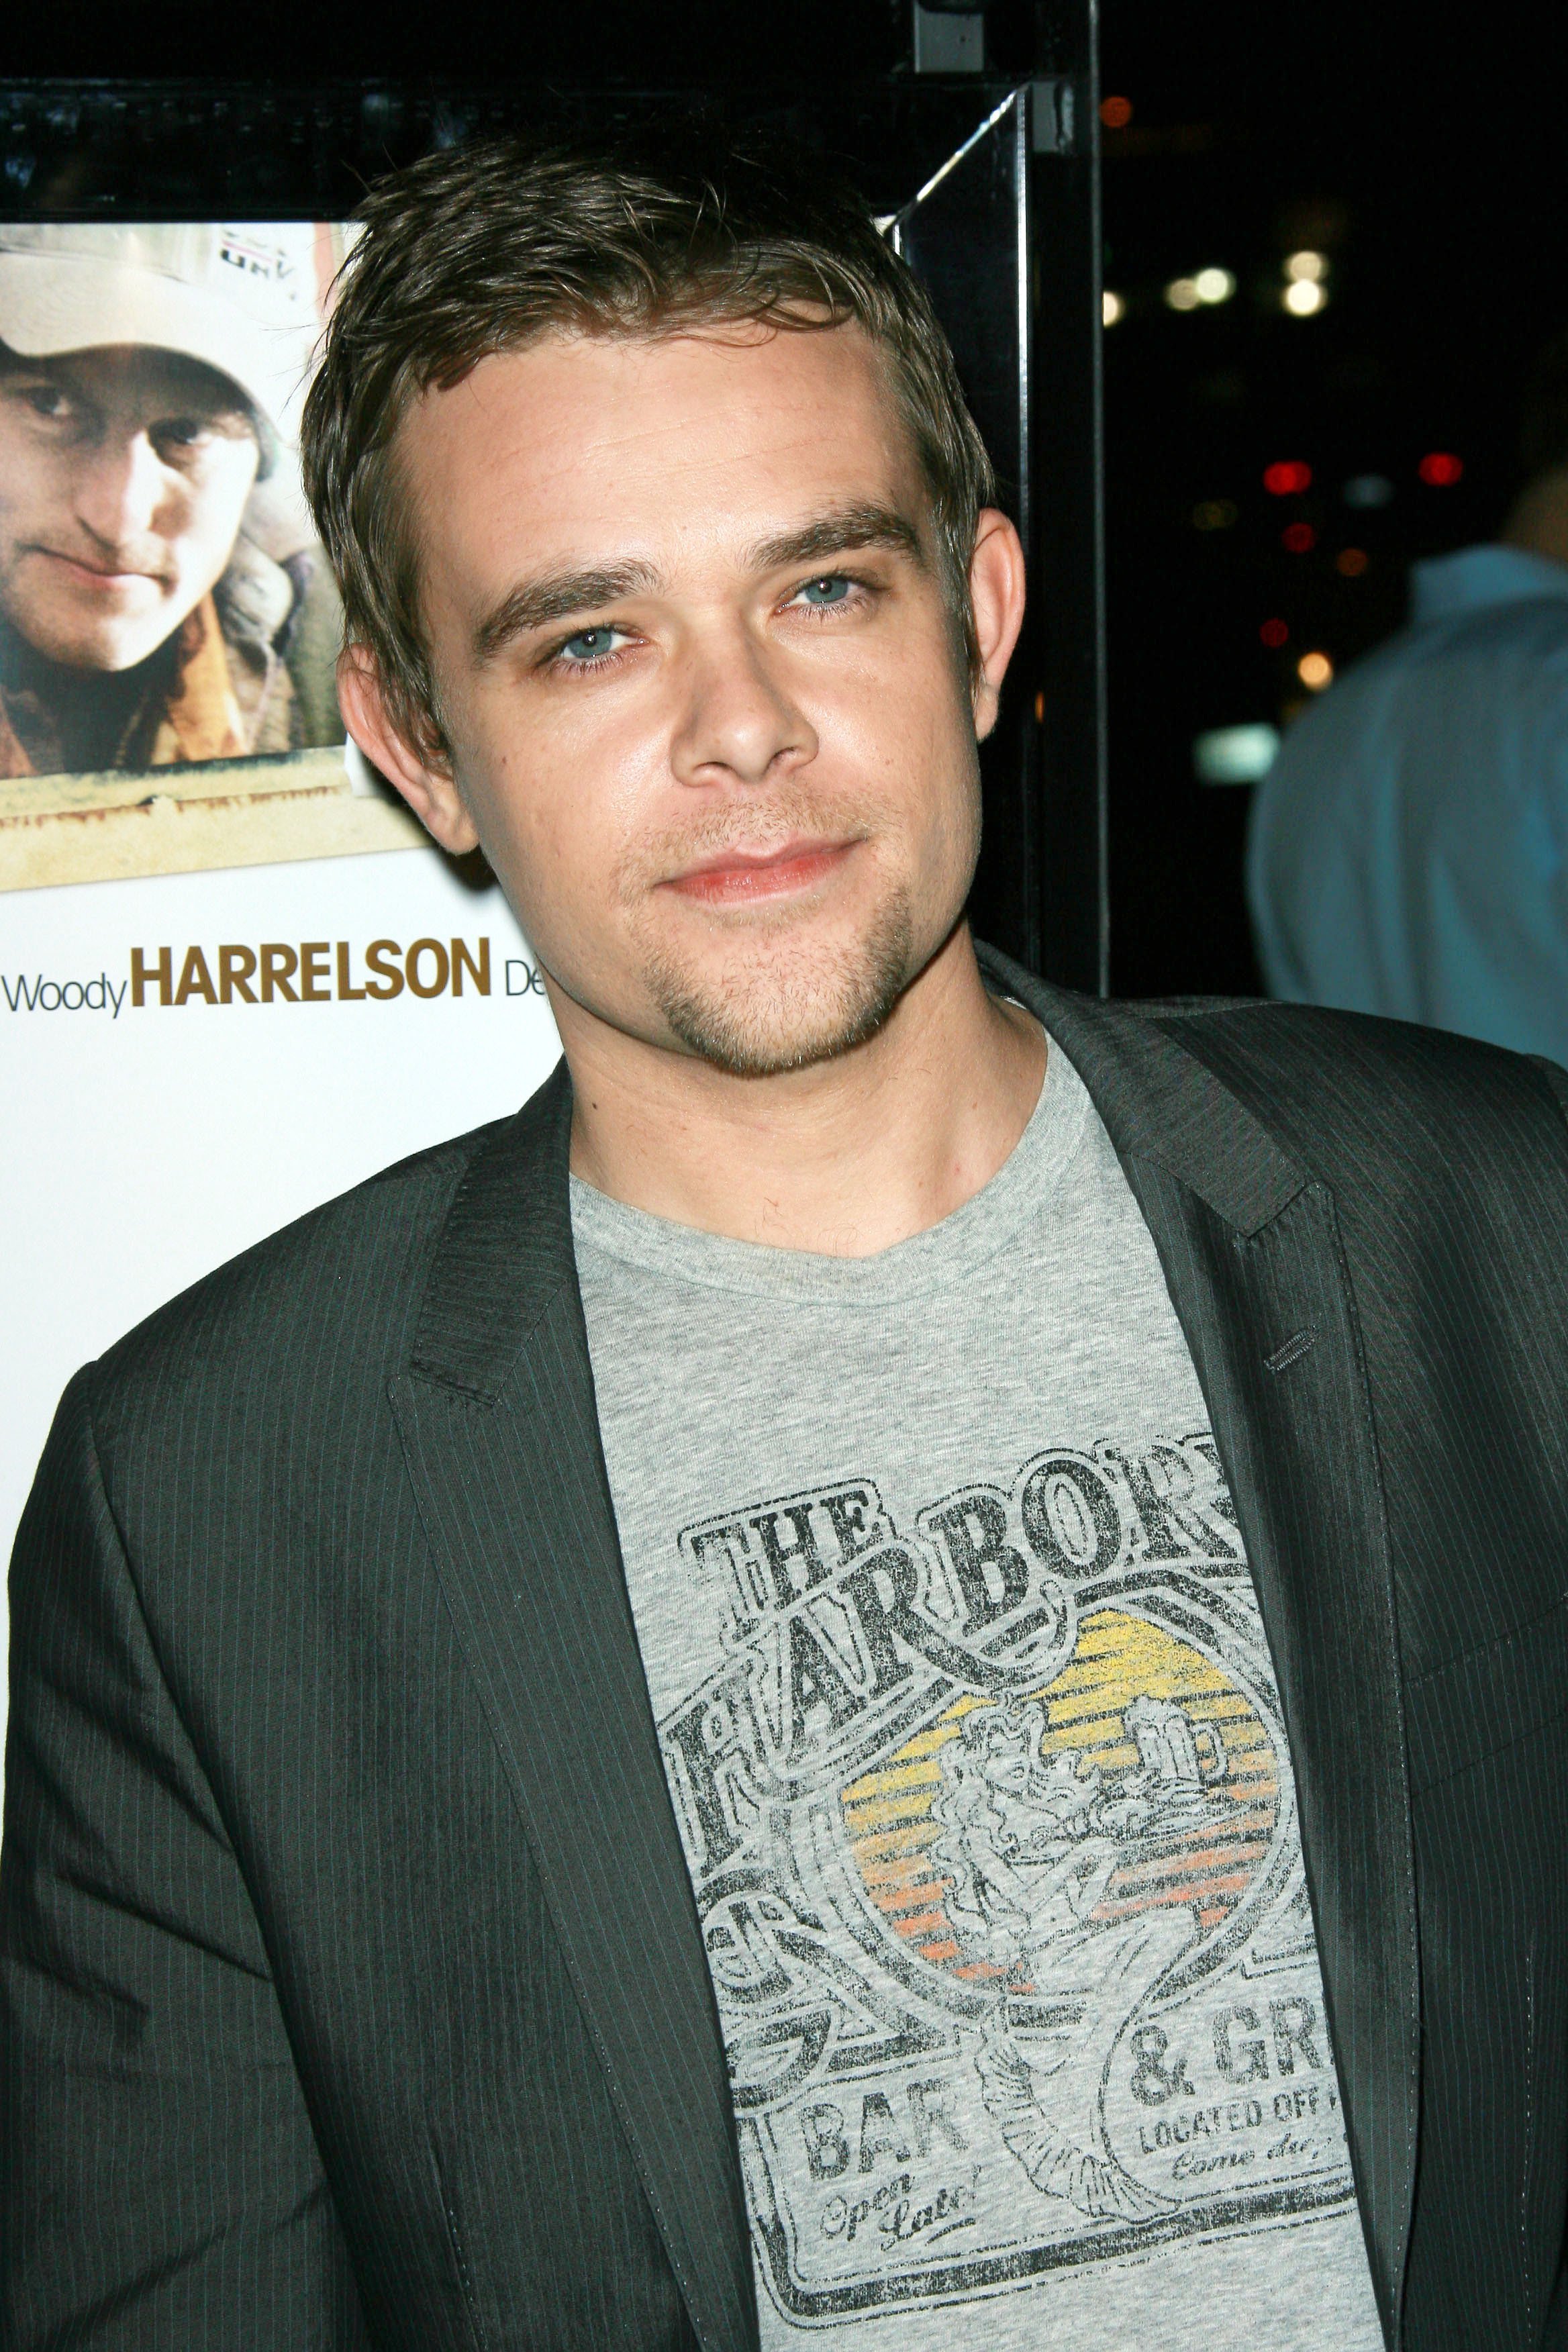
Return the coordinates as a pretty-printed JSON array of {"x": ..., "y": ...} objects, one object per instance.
[
  {"x": 785, "y": 1003},
  {"x": 790, "y": 989}
]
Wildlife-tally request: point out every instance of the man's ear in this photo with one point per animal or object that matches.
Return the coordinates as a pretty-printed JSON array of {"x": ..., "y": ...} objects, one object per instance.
[
  {"x": 429, "y": 788},
  {"x": 996, "y": 598}
]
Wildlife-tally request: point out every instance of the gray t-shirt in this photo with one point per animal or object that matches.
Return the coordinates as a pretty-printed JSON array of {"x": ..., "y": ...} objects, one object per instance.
[{"x": 976, "y": 1752}]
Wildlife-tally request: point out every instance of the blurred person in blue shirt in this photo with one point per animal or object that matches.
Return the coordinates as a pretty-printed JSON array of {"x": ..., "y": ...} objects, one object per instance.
[{"x": 1408, "y": 851}]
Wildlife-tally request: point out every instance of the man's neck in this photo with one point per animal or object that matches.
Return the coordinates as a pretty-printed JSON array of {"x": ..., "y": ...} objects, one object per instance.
[{"x": 844, "y": 1158}]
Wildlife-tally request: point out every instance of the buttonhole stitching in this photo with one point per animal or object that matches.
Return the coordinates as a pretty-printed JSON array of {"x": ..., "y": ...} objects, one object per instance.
[{"x": 1291, "y": 1349}]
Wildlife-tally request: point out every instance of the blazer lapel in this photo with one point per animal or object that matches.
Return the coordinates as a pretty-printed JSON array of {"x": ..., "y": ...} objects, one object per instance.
[
  {"x": 1252, "y": 1256},
  {"x": 498, "y": 1420}
]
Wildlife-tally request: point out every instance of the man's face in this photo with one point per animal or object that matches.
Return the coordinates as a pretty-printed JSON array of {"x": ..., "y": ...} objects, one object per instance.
[
  {"x": 707, "y": 707},
  {"x": 124, "y": 474}
]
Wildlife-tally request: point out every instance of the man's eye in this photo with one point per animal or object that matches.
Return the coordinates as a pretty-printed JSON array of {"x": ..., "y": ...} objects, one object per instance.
[
  {"x": 589, "y": 646},
  {"x": 831, "y": 588},
  {"x": 48, "y": 400},
  {"x": 179, "y": 433}
]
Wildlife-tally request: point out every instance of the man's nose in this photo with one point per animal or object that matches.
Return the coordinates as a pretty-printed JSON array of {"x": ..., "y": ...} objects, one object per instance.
[
  {"x": 120, "y": 487},
  {"x": 739, "y": 724}
]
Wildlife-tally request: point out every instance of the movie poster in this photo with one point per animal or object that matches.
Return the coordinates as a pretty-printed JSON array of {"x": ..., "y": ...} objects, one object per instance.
[
  {"x": 234, "y": 976},
  {"x": 168, "y": 626}
]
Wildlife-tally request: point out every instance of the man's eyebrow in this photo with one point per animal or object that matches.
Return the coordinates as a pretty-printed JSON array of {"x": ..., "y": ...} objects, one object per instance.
[
  {"x": 556, "y": 597},
  {"x": 840, "y": 531},
  {"x": 559, "y": 596}
]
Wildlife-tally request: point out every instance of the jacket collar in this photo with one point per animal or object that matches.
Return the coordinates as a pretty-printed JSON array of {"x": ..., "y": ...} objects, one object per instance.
[
  {"x": 1158, "y": 1103},
  {"x": 505, "y": 1251},
  {"x": 1249, "y": 1243},
  {"x": 506, "y": 1248}
]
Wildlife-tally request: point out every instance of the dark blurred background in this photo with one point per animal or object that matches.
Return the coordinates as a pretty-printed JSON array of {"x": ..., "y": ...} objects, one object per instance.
[
  {"x": 1335, "y": 236},
  {"x": 1419, "y": 158}
]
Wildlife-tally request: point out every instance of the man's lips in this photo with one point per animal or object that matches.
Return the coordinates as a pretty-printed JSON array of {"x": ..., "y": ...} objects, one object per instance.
[
  {"x": 95, "y": 576},
  {"x": 738, "y": 877}
]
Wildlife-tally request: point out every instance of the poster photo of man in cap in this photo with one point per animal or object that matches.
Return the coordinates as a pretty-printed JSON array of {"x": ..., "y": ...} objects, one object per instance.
[{"x": 163, "y": 603}]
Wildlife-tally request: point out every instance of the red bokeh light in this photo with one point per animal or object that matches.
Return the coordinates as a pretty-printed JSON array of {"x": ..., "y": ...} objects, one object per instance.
[
  {"x": 1275, "y": 634},
  {"x": 1287, "y": 478},
  {"x": 1116, "y": 113},
  {"x": 1299, "y": 537},
  {"x": 1440, "y": 469}
]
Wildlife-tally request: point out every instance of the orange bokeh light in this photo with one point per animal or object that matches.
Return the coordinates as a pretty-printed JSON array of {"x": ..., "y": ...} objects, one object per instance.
[{"x": 1116, "y": 113}]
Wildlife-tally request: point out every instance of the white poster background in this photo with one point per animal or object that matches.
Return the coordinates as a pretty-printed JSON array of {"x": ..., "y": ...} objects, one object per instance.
[{"x": 140, "y": 1148}]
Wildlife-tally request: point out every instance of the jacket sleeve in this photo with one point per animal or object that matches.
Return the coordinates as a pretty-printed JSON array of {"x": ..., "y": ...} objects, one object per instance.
[{"x": 160, "y": 2183}]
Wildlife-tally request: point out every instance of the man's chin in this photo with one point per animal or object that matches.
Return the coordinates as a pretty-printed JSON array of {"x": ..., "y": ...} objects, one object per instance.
[
  {"x": 98, "y": 641},
  {"x": 119, "y": 650},
  {"x": 791, "y": 1004}
]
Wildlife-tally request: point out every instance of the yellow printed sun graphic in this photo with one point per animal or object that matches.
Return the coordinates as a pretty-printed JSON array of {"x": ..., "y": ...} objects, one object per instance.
[{"x": 1118, "y": 1660}]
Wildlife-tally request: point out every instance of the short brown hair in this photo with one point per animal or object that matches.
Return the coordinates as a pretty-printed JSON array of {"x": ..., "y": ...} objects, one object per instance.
[{"x": 483, "y": 248}]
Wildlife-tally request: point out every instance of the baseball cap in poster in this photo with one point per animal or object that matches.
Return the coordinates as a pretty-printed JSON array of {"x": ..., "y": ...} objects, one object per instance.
[{"x": 245, "y": 298}]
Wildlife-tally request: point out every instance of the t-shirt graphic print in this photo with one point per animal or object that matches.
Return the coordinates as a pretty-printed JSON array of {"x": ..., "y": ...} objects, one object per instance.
[
  {"x": 998, "y": 1877},
  {"x": 977, "y": 1755}
]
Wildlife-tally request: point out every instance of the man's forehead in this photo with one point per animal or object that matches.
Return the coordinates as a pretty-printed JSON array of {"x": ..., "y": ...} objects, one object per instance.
[
  {"x": 564, "y": 401},
  {"x": 584, "y": 448}
]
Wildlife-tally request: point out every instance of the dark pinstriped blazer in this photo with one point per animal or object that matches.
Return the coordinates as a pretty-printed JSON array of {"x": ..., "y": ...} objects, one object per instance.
[{"x": 354, "y": 1990}]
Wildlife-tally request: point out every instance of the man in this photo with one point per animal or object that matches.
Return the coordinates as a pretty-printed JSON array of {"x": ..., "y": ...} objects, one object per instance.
[
  {"x": 891, "y": 1671},
  {"x": 154, "y": 576},
  {"x": 1409, "y": 849}
]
